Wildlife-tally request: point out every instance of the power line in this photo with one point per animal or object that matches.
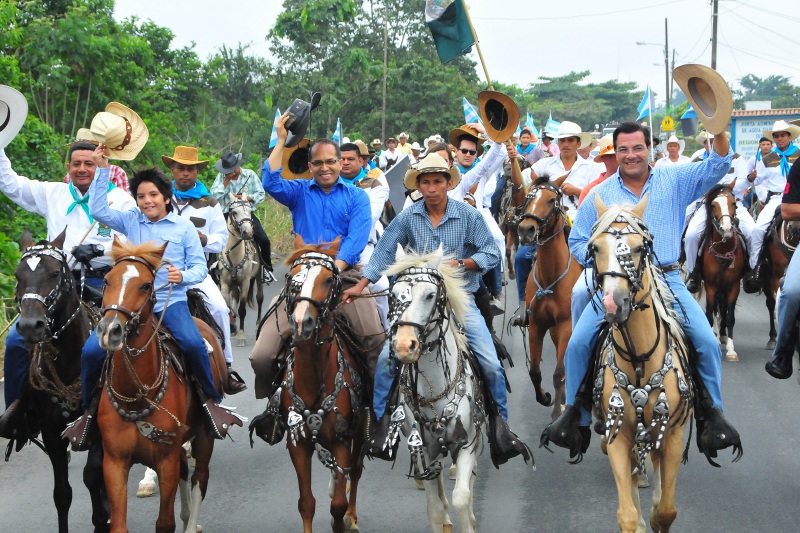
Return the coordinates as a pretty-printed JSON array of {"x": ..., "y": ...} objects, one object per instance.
[
  {"x": 761, "y": 9},
  {"x": 783, "y": 37},
  {"x": 761, "y": 57}
]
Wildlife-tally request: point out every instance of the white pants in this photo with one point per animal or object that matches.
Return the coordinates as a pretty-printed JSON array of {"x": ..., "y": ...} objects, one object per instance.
[
  {"x": 219, "y": 310},
  {"x": 762, "y": 223},
  {"x": 696, "y": 226},
  {"x": 379, "y": 286},
  {"x": 497, "y": 235}
]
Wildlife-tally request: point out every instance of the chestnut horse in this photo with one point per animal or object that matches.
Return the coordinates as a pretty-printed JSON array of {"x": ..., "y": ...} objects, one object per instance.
[
  {"x": 322, "y": 392},
  {"x": 511, "y": 205},
  {"x": 780, "y": 243},
  {"x": 148, "y": 408},
  {"x": 724, "y": 262},
  {"x": 56, "y": 325},
  {"x": 549, "y": 288},
  {"x": 642, "y": 388}
]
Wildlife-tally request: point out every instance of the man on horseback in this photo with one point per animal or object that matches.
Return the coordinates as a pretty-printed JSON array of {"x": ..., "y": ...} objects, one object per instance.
[
  {"x": 63, "y": 205},
  {"x": 671, "y": 190},
  {"x": 462, "y": 232},
  {"x": 772, "y": 171},
  {"x": 234, "y": 179}
]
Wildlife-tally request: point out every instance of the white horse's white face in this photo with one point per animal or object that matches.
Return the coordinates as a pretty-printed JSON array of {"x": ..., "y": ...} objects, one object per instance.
[
  {"x": 240, "y": 217},
  {"x": 413, "y": 305}
]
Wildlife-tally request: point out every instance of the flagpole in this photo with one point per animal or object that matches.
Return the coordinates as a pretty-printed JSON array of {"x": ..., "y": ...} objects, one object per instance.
[{"x": 477, "y": 46}]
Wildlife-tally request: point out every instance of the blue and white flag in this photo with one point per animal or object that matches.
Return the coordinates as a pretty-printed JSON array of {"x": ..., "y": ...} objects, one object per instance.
[
  {"x": 337, "y": 135},
  {"x": 470, "y": 115},
  {"x": 517, "y": 133},
  {"x": 647, "y": 105},
  {"x": 551, "y": 126},
  {"x": 273, "y": 137},
  {"x": 690, "y": 113}
]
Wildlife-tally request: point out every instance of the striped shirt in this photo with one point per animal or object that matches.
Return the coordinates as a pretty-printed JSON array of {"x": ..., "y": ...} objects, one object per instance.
[
  {"x": 671, "y": 190},
  {"x": 462, "y": 233}
]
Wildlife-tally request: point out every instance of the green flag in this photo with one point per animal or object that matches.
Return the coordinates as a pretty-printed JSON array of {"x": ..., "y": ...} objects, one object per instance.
[{"x": 449, "y": 26}]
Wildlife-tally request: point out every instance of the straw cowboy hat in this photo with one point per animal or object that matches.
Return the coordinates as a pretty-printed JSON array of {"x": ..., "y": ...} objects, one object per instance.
[
  {"x": 228, "y": 162},
  {"x": 782, "y": 125},
  {"x": 709, "y": 94},
  {"x": 463, "y": 131},
  {"x": 499, "y": 114},
  {"x": 704, "y": 135},
  {"x": 431, "y": 164},
  {"x": 13, "y": 112},
  {"x": 84, "y": 135},
  {"x": 185, "y": 155},
  {"x": 569, "y": 129},
  {"x": 363, "y": 151},
  {"x": 122, "y": 131},
  {"x": 606, "y": 145},
  {"x": 680, "y": 142}
]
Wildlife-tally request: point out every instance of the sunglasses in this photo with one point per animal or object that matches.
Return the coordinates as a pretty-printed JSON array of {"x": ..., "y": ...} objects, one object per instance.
[
  {"x": 319, "y": 162},
  {"x": 465, "y": 151}
]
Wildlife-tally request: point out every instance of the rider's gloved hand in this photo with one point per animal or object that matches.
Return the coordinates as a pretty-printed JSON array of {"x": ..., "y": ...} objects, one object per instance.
[{"x": 86, "y": 252}]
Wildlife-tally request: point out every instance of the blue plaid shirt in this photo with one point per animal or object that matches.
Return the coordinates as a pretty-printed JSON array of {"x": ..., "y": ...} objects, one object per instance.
[
  {"x": 463, "y": 233},
  {"x": 671, "y": 189}
]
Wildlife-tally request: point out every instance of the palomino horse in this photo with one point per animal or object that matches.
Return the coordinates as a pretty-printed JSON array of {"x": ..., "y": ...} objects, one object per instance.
[
  {"x": 53, "y": 321},
  {"x": 240, "y": 267},
  {"x": 642, "y": 390},
  {"x": 780, "y": 243},
  {"x": 322, "y": 393},
  {"x": 148, "y": 408},
  {"x": 724, "y": 261},
  {"x": 549, "y": 288},
  {"x": 440, "y": 402},
  {"x": 511, "y": 205}
]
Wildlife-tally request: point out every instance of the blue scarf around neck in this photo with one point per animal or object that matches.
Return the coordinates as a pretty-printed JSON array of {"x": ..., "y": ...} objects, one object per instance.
[
  {"x": 198, "y": 191},
  {"x": 358, "y": 177},
  {"x": 790, "y": 150}
]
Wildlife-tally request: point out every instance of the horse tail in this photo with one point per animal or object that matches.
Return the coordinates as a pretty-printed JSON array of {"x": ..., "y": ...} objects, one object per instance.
[
  {"x": 198, "y": 309},
  {"x": 251, "y": 293}
]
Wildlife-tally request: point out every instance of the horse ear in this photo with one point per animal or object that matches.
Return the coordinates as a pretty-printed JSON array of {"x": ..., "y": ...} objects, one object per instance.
[
  {"x": 399, "y": 254},
  {"x": 599, "y": 206},
  {"x": 117, "y": 243},
  {"x": 298, "y": 241},
  {"x": 558, "y": 181},
  {"x": 436, "y": 260},
  {"x": 161, "y": 251},
  {"x": 27, "y": 240},
  {"x": 334, "y": 246},
  {"x": 59, "y": 241},
  {"x": 640, "y": 207},
  {"x": 231, "y": 197}
]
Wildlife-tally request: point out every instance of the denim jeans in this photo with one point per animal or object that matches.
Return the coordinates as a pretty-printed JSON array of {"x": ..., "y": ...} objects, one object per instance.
[
  {"x": 788, "y": 306},
  {"x": 523, "y": 264}
]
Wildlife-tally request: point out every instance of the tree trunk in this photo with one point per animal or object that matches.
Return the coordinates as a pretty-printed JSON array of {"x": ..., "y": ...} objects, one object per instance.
[
  {"x": 75, "y": 113},
  {"x": 88, "y": 97}
]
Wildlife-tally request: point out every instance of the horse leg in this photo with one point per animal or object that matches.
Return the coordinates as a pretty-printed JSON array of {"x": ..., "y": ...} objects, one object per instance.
[
  {"x": 641, "y": 526},
  {"x": 535, "y": 342},
  {"x": 115, "y": 473},
  {"x": 730, "y": 320},
  {"x": 462, "y": 492},
  {"x": 773, "y": 332},
  {"x": 472, "y": 478},
  {"x": 656, "y": 458},
  {"x": 510, "y": 254},
  {"x": 93, "y": 479},
  {"x": 306, "y": 504},
  {"x": 202, "y": 448},
  {"x": 351, "y": 516},
  {"x": 241, "y": 338},
  {"x": 185, "y": 493},
  {"x": 619, "y": 455},
  {"x": 168, "y": 470},
  {"x": 339, "y": 503},
  {"x": 225, "y": 290},
  {"x": 438, "y": 505},
  {"x": 671, "y": 450},
  {"x": 62, "y": 491},
  {"x": 560, "y": 335}
]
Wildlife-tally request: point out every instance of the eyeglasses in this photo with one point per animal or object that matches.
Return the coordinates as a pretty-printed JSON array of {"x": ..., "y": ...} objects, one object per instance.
[
  {"x": 624, "y": 150},
  {"x": 328, "y": 162},
  {"x": 465, "y": 151}
]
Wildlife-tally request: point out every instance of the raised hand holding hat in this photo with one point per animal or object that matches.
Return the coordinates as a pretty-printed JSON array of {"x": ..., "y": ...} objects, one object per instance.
[
  {"x": 122, "y": 131},
  {"x": 13, "y": 112}
]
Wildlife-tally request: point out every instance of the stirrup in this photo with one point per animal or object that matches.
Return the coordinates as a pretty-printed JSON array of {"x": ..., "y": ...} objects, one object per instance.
[
  {"x": 77, "y": 432},
  {"x": 221, "y": 418},
  {"x": 780, "y": 365},
  {"x": 752, "y": 281},
  {"x": 714, "y": 433},
  {"x": 566, "y": 432},
  {"x": 504, "y": 444},
  {"x": 8, "y": 420},
  {"x": 268, "y": 426},
  {"x": 235, "y": 383}
]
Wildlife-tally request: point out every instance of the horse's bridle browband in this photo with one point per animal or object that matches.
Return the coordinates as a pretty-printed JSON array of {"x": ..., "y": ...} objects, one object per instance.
[
  {"x": 294, "y": 285},
  {"x": 554, "y": 210},
  {"x": 397, "y": 308},
  {"x": 236, "y": 222},
  {"x": 717, "y": 222},
  {"x": 225, "y": 258},
  {"x": 134, "y": 317}
]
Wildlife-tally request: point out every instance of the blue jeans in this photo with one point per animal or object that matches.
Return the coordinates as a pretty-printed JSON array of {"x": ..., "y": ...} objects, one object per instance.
[
  {"x": 587, "y": 329},
  {"x": 180, "y": 323},
  {"x": 480, "y": 340},
  {"x": 523, "y": 264},
  {"x": 494, "y": 280},
  {"x": 788, "y": 307}
]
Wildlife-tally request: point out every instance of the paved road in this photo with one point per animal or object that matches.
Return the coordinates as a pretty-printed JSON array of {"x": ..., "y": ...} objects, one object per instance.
[{"x": 255, "y": 489}]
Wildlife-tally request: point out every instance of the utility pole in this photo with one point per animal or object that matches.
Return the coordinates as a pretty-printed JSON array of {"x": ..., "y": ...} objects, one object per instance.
[
  {"x": 671, "y": 79},
  {"x": 666, "y": 62},
  {"x": 385, "y": 69},
  {"x": 714, "y": 18}
]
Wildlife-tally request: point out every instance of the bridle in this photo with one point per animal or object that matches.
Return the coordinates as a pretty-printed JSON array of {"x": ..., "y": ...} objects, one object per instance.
[
  {"x": 236, "y": 226},
  {"x": 236, "y": 222},
  {"x": 551, "y": 216},
  {"x": 717, "y": 222},
  {"x": 398, "y": 304},
  {"x": 294, "y": 286}
]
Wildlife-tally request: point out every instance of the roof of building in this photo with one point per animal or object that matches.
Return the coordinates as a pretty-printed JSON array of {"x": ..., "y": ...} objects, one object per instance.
[{"x": 789, "y": 111}]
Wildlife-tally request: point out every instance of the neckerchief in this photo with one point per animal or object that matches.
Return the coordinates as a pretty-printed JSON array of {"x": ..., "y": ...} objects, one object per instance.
[
  {"x": 790, "y": 150},
  {"x": 465, "y": 170},
  {"x": 758, "y": 154},
  {"x": 524, "y": 151},
  {"x": 83, "y": 202},
  {"x": 198, "y": 191},
  {"x": 355, "y": 179}
]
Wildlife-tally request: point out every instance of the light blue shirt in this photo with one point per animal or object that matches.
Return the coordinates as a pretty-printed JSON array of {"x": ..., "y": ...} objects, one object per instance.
[
  {"x": 671, "y": 189},
  {"x": 247, "y": 179},
  {"x": 184, "y": 250}
]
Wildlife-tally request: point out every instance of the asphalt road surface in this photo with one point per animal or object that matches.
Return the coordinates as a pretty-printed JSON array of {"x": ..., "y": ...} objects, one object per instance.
[{"x": 256, "y": 490}]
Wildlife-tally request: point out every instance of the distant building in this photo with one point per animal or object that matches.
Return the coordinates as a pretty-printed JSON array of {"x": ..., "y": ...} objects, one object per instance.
[{"x": 747, "y": 126}]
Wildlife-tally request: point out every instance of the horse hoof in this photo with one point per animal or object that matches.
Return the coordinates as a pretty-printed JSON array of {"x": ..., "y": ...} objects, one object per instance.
[
  {"x": 420, "y": 485},
  {"x": 770, "y": 345},
  {"x": 545, "y": 399},
  {"x": 447, "y": 528},
  {"x": 453, "y": 471},
  {"x": 146, "y": 490},
  {"x": 349, "y": 525},
  {"x": 732, "y": 357}
]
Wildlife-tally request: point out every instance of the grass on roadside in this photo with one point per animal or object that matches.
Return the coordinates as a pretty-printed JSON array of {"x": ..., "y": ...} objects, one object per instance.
[{"x": 277, "y": 222}]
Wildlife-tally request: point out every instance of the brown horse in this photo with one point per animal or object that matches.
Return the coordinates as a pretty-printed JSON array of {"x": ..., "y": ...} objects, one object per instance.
[
  {"x": 724, "y": 262},
  {"x": 322, "y": 392},
  {"x": 780, "y": 243},
  {"x": 549, "y": 289},
  {"x": 511, "y": 205},
  {"x": 148, "y": 408}
]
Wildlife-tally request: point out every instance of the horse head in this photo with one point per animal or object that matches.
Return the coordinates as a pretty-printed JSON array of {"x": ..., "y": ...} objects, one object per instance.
[
  {"x": 721, "y": 210},
  {"x": 619, "y": 247},
  {"x": 541, "y": 211},
  {"x": 43, "y": 282},
  {"x": 130, "y": 285},
  {"x": 240, "y": 216},
  {"x": 313, "y": 287}
]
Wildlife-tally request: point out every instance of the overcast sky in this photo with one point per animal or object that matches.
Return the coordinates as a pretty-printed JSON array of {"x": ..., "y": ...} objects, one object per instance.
[{"x": 525, "y": 39}]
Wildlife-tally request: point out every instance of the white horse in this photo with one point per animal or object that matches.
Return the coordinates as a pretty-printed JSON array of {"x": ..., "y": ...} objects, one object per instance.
[
  {"x": 240, "y": 266},
  {"x": 437, "y": 381}
]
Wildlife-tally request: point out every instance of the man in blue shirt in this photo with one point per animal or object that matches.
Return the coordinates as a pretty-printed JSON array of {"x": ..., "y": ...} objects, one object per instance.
[{"x": 671, "y": 190}]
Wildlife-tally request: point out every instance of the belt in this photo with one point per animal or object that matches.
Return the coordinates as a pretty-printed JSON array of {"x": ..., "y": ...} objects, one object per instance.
[
  {"x": 670, "y": 268},
  {"x": 770, "y": 194}
]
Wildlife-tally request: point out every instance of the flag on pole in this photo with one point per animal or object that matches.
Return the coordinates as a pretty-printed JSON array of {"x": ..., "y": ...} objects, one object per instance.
[
  {"x": 690, "y": 113},
  {"x": 447, "y": 20},
  {"x": 551, "y": 126},
  {"x": 273, "y": 137},
  {"x": 470, "y": 114},
  {"x": 516, "y": 133},
  {"x": 647, "y": 105},
  {"x": 337, "y": 135},
  {"x": 530, "y": 125}
]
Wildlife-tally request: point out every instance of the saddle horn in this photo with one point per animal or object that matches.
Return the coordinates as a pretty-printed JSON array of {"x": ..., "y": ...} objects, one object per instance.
[
  {"x": 295, "y": 161},
  {"x": 500, "y": 115}
]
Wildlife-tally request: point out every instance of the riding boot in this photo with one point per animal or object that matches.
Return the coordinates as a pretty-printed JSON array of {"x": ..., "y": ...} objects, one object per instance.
[
  {"x": 780, "y": 365},
  {"x": 714, "y": 432},
  {"x": 235, "y": 382},
  {"x": 693, "y": 282},
  {"x": 81, "y": 432},
  {"x": 752, "y": 280},
  {"x": 384, "y": 436}
]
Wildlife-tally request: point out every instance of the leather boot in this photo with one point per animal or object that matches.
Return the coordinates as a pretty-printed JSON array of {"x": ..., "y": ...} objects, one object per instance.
[
  {"x": 9, "y": 420},
  {"x": 752, "y": 281},
  {"x": 566, "y": 432},
  {"x": 780, "y": 366},
  {"x": 693, "y": 283},
  {"x": 269, "y": 426},
  {"x": 235, "y": 382}
]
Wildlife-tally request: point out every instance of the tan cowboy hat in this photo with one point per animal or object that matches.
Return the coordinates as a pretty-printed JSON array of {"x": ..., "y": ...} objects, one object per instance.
[
  {"x": 703, "y": 135},
  {"x": 500, "y": 115},
  {"x": 363, "y": 151},
  {"x": 461, "y": 131},
  {"x": 679, "y": 142},
  {"x": 709, "y": 94},
  {"x": 122, "y": 131},
  {"x": 185, "y": 155},
  {"x": 294, "y": 161},
  {"x": 13, "y": 112},
  {"x": 782, "y": 125},
  {"x": 569, "y": 129},
  {"x": 606, "y": 145},
  {"x": 84, "y": 135},
  {"x": 431, "y": 164}
]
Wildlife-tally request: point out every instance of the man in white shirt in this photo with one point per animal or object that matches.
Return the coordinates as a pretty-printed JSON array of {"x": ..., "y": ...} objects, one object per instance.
[
  {"x": 390, "y": 156},
  {"x": 675, "y": 155},
  {"x": 758, "y": 191}
]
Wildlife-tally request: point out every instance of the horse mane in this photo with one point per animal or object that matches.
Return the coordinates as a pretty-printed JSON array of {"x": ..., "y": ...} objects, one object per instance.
[
  {"x": 149, "y": 251},
  {"x": 541, "y": 180},
  {"x": 321, "y": 248},
  {"x": 708, "y": 205}
]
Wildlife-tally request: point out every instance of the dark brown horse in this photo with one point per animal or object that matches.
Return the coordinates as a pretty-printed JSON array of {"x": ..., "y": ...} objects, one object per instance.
[
  {"x": 549, "y": 289},
  {"x": 780, "y": 243},
  {"x": 511, "y": 205},
  {"x": 724, "y": 262},
  {"x": 148, "y": 408},
  {"x": 55, "y": 325},
  {"x": 322, "y": 391}
]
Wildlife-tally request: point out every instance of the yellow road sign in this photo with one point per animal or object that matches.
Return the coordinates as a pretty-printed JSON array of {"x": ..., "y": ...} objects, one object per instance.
[{"x": 668, "y": 124}]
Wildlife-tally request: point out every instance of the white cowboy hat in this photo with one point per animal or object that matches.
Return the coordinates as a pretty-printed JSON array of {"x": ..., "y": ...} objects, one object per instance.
[
  {"x": 569, "y": 129},
  {"x": 122, "y": 131},
  {"x": 703, "y": 135},
  {"x": 606, "y": 146},
  {"x": 782, "y": 125},
  {"x": 415, "y": 146},
  {"x": 403, "y": 135},
  {"x": 680, "y": 142},
  {"x": 13, "y": 112},
  {"x": 432, "y": 163}
]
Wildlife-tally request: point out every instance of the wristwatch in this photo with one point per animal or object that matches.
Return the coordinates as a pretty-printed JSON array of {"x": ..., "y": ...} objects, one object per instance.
[{"x": 461, "y": 263}]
